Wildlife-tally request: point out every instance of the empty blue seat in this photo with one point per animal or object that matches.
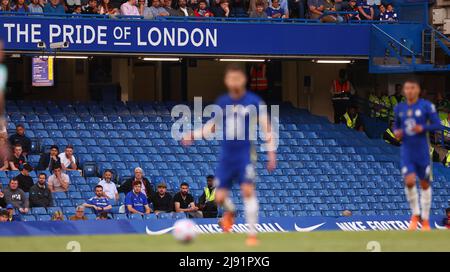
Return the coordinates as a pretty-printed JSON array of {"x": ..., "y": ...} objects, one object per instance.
[
  {"x": 38, "y": 210},
  {"x": 43, "y": 217}
]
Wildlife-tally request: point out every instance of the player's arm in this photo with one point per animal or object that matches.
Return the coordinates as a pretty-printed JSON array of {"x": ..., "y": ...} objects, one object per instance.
[
  {"x": 433, "y": 119},
  {"x": 200, "y": 133},
  {"x": 270, "y": 141}
]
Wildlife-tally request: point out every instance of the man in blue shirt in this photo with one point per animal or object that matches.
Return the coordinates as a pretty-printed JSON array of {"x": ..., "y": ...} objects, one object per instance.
[
  {"x": 136, "y": 201},
  {"x": 99, "y": 203},
  {"x": 366, "y": 11},
  {"x": 54, "y": 6},
  {"x": 413, "y": 120}
]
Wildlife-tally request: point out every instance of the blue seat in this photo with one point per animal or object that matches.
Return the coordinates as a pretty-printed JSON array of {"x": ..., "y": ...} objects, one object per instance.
[
  {"x": 52, "y": 210},
  {"x": 151, "y": 216},
  {"x": 44, "y": 217},
  {"x": 135, "y": 217},
  {"x": 59, "y": 195},
  {"x": 120, "y": 216},
  {"x": 38, "y": 210},
  {"x": 29, "y": 218}
]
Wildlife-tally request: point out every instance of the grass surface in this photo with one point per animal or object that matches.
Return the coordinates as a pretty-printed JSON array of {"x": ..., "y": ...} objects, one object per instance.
[{"x": 313, "y": 241}]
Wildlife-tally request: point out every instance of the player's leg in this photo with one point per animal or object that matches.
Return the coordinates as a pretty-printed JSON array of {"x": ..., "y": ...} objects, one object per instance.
[
  {"x": 251, "y": 208},
  {"x": 223, "y": 183},
  {"x": 425, "y": 196},
  {"x": 412, "y": 196}
]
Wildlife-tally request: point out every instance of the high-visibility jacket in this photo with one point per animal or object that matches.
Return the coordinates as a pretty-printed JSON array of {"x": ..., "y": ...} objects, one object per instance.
[
  {"x": 351, "y": 123},
  {"x": 445, "y": 123},
  {"x": 447, "y": 159},
  {"x": 341, "y": 90},
  {"x": 374, "y": 103},
  {"x": 209, "y": 197},
  {"x": 385, "y": 106},
  {"x": 390, "y": 133},
  {"x": 258, "y": 79}
]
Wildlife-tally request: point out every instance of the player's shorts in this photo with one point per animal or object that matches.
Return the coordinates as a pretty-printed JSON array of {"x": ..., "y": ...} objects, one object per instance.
[
  {"x": 239, "y": 171},
  {"x": 422, "y": 170}
]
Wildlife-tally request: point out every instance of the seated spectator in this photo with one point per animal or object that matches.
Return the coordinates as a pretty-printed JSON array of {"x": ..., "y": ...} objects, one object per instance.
[
  {"x": 79, "y": 214},
  {"x": 275, "y": 10},
  {"x": 222, "y": 10},
  {"x": 99, "y": 202},
  {"x": 169, "y": 8},
  {"x": 259, "y": 11},
  {"x": 381, "y": 12},
  {"x": 389, "y": 14},
  {"x": 162, "y": 200},
  {"x": 77, "y": 10},
  {"x": 157, "y": 10},
  {"x": 2, "y": 198},
  {"x": 184, "y": 202},
  {"x": 54, "y": 6},
  {"x": 352, "y": 7},
  {"x": 351, "y": 119},
  {"x": 21, "y": 7},
  {"x": 107, "y": 9},
  {"x": 4, "y": 216},
  {"x": 17, "y": 159},
  {"x": 446, "y": 220},
  {"x": 90, "y": 8},
  {"x": 24, "y": 179},
  {"x": 284, "y": 6},
  {"x": 126, "y": 187},
  {"x": 389, "y": 137},
  {"x": 109, "y": 187},
  {"x": 4, "y": 154},
  {"x": 68, "y": 160},
  {"x": 103, "y": 216},
  {"x": 366, "y": 11},
  {"x": 12, "y": 216},
  {"x": 316, "y": 8},
  {"x": 207, "y": 203},
  {"x": 193, "y": 4},
  {"x": 202, "y": 10},
  {"x": 184, "y": 10},
  {"x": 136, "y": 201},
  {"x": 5, "y": 5},
  {"x": 330, "y": 7},
  {"x": 144, "y": 10},
  {"x": 15, "y": 196},
  {"x": 129, "y": 8},
  {"x": 35, "y": 7},
  {"x": 19, "y": 137},
  {"x": 47, "y": 161},
  {"x": 71, "y": 5},
  {"x": 40, "y": 195},
  {"x": 59, "y": 181},
  {"x": 252, "y": 5},
  {"x": 58, "y": 216}
]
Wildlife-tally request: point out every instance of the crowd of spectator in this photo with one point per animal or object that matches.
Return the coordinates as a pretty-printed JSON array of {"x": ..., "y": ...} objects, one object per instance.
[{"x": 324, "y": 10}]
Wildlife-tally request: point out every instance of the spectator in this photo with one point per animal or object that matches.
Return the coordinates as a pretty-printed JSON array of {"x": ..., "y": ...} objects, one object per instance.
[
  {"x": 316, "y": 8},
  {"x": 169, "y": 8},
  {"x": 284, "y": 6},
  {"x": 58, "y": 216},
  {"x": 157, "y": 10},
  {"x": 446, "y": 220},
  {"x": 184, "y": 202},
  {"x": 127, "y": 186},
  {"x": 162, "y": 200},
  {"x": 47, "y": 161},
  {"x": 222, "y": 10},
  {"x": 99, "y": 202},
  {"x": 4, "y": 156},
  {"x": 35, "y": 7},
  {"x": 389, "y": 14},
  {"x": 77, "y": 10},
  {"x": 4, "y": 216},
  {"x": 366, "y": 11},
  {"x": 389, "y": 136},
  {"x": 5, "y": 5},
  {"x": 275, "y": 10},
  {"x": 207, "y": 202},
  {"x": 68, "y": 160},
  {"x": 351, "y": 119},
  {"x": 59, "y": 181},
  {"x": 2, "y": 198},
  {"x": 184, "y": 10},
  {"x": 109, "y": 187},
  {"x": 259, "y": 11},
  {"x": 40, "y": 195},
  {"x": 129, "y": 8},
  {"x": 107, "y": 9},
  {"x": 144, "y": 10},
  {"x": 103, "y": 216},
  {"x": 79, "y": 214},
  {"x": 15, "y": 196},
  {"x": 12, "y": 216},
  {"x": 18, "y": 159},
  {"x": 329, "y": 6},
  {"x": 193, "y": 4},
  {"x": 352, "y": 7},
  {"x": 21, "y": 7},
  {"x": 71, "y": 5},
  {"x": 381, "y": 12},
  {"x": 252, "y": 5},
  {"x": 136, "y": 201},
  {"x": 54, "y": 6},
  {"x": 19, "y": 137},
  {"x": 90, "y": 8},
  {"x": 202, "y": 10},
  {"x": 24, "y": 179},
  {"x": 346, "y": 213}
]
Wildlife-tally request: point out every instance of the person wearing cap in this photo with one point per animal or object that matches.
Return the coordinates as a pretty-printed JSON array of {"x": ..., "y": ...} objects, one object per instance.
[
  {"x": 40, "y": 195},
  {"x": 47, "y": 161},
  {"x": 109, "y": 187},
  {"x": 20, "y": 138},
  {"x": 24, "y": 179},
  {"x": 68, "y": 160},
  {"x": 206, "y": 201},
  {"x": 12, "y": 216},
  {"x": 146, "y": 187},
  {"x": 162, "y": 200},
  {"x": 59, "y": 181},
  {"x": 79, "y": 214},
  {"x": 15, "y": 196}
]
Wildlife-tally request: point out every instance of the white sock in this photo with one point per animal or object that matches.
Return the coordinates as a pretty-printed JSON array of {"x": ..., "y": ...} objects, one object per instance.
[
  {"x": 413, "y": 199},
  {"x": 425, "y": 203},
  {"x": 228, "y": 205},
  {"x": 251, "y": 207}
]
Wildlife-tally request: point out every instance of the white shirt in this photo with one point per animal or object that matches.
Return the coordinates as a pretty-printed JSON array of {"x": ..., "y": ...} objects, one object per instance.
[
  {"x": 127, "y": 9},
  {"x": 52, "y": 180},
  {"x": 184, "y": 10},
  {"x": 65, "y": 161},
  {"x": 109, "y": 188}
]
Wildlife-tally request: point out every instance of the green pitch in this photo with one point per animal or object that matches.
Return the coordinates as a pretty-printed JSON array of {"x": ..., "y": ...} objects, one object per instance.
[{"x": 314, "y": 241}]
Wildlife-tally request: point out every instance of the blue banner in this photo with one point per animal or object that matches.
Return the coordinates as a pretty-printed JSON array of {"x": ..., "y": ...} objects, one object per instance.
[
  {"x": 22, "y": 33},
  {"x": 159, "y": 226}
]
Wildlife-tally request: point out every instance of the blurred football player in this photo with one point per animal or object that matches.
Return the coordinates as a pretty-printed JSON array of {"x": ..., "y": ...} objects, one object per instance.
[
  {"x": 237, "y": 156},
  {"x": 5, "y": 149},
  {"x": 414, "y": 118}
]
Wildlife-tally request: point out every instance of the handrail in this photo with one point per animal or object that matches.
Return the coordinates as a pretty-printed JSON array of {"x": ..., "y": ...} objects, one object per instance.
[
  {"x": 439, "y": 33},
  {"x": 395, "y": 40}
]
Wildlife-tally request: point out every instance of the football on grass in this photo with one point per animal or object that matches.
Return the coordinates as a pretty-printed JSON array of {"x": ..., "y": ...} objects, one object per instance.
[{"x": 184, "y": 230}]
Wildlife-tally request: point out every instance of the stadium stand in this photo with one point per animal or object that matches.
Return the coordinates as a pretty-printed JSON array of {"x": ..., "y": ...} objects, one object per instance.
[{"x": 323, "y": 168}]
